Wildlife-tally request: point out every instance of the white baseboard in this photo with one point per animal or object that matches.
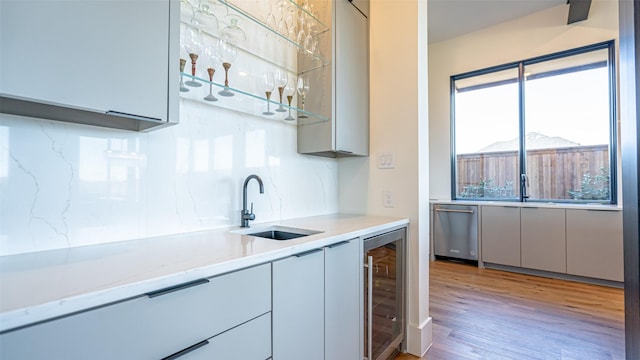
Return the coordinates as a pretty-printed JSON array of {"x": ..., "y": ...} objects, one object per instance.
[{"x": 420, "y": 338}]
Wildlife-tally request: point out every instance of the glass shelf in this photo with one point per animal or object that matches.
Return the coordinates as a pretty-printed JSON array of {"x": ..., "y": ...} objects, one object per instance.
[
  {"x": 255, "y": 26},
  {"x": 246, "y": 102},
  {"x": 261, "y": 49}
]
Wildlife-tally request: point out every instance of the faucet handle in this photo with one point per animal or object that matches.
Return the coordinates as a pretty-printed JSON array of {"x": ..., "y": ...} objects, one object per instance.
[{"x": 249, "y": 215}]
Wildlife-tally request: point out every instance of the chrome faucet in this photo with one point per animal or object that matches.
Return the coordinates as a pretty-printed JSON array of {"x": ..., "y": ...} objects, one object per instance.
[{"x": 246, "y": 214}]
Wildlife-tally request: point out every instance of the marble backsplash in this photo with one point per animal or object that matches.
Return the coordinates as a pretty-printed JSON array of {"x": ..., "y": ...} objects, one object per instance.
[{"x": 65, "y": 185}]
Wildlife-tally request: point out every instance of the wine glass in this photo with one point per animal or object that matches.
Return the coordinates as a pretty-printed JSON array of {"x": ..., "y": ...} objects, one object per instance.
[
  {"x": 281, "y": 79},
  {"x": 268, "y": 84},
  {"x": 193, "y": 46},
  {"x": 290, "y": 90},
  {"x": 301, "y": 36},
  {"x": 303, "y": 90},
  {"x": 210, "y": 58},
  {"x": 310, "y": 42},
  {"x": 226, "y": 52},
  {"x": 183, "y": 88},
  {"x": 233, "y": 31},
  {"x": 205, "y": 11}
]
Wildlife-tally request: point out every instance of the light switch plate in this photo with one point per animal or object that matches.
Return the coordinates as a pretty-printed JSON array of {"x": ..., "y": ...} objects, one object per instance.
[{"x": 386, "y": 160}]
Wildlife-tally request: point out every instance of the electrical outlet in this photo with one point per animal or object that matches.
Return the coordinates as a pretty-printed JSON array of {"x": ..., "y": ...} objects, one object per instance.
[{"x": 387, "y": 199}]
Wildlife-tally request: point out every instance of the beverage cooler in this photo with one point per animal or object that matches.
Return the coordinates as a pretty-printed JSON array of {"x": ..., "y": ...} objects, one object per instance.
[{"x": 384, "y": 310}]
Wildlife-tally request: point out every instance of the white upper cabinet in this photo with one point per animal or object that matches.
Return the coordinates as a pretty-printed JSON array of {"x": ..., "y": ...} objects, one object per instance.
[
  {"x": 105, "y": 63},
  {"x": 341, "y": 89}
]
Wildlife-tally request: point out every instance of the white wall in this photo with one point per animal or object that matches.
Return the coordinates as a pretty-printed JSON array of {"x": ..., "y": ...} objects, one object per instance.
[
  {"x": 64, "y": 185},
  {"x": 398, "y": 124},
  {"x": 538, "y": 34}
]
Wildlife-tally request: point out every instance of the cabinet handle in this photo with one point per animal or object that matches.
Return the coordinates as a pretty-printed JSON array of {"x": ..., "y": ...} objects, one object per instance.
[
  {"x": 345, "y": 151},
  {"x": 308, "y": 252},
  {"x": 187, "y": 350},
  {"x": 370, "y": 306},
  {"x": 338, "y": 244},
  {"x": 176, "y": 288},
  {"x": 133, "y": 116},
  {"x": 456, "y": 211}
]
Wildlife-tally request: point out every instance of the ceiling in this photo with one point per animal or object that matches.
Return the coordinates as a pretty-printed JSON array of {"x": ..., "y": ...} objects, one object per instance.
[{"x": 451, "y": 18}]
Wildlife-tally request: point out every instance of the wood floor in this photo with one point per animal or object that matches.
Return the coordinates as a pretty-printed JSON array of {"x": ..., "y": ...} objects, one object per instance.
[{"x": 490, "y": 314}]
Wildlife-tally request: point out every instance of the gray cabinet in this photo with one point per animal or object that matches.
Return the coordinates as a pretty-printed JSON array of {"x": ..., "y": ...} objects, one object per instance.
[
  {"x": 501, "y": 235},
  {"x": 246, "y": 342},
  {"x": 543, "y": 245},
  {"x": 152, "y": 326},
  {"x": 594, "y": 244},
  {"x": 104, "y": 63},
  {"x": 298, "y": 307},
  {"x": 317, "y": 304},
  {"x": 346, "y": 89},
  {"x": 342, "y": 301}
]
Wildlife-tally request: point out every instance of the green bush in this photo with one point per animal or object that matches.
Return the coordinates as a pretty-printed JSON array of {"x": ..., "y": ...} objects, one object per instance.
[
  {"x": 488, "y": 189},
  {"x": 592, "y": 187}
]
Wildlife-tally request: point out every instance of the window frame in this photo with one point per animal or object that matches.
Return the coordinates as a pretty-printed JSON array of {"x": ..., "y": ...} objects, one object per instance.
[{"x": 520, "y": 65}]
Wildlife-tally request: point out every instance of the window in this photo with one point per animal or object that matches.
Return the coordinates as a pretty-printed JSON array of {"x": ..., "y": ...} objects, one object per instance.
[{"x": 542, "y": 129}]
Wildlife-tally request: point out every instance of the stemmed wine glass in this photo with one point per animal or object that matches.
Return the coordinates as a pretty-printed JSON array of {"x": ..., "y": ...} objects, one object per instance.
[
  {"x": 183, "y": 88},
  {"x": 268, "y": 84},
  {"x": 226, "y": 52},
  {"x": 193, "y": 46},
  {"x": 301, "y": 36},
  {"x": 281, "y": 79},
  {"x": 303, "y": 90},
  {"x": 290, "y": 90},
  {"x": 212, "y": 8},
  {"x": 210, "y": 58},
  {"x": 233, "y": 32},
  {"x": 310, "y": 42}
]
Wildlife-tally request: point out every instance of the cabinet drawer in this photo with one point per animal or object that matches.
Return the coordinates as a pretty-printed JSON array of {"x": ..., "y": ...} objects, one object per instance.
[
  {"x": 147, "y": 327},
  {"x": 249, "y": 341}
]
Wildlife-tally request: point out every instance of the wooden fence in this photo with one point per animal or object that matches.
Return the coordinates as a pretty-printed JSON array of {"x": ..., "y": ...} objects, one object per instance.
[{"x": 552, "y": 172}]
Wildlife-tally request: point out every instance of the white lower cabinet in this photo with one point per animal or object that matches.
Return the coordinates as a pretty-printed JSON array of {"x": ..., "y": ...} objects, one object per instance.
[
  {"x": 595, "y": 244},
  {"x": 501, "y": 235},
  {"x": 582, "y": 242},
  {"x": 543, "y": 244},
  {"x": 298, "y": 307},
  {"x": 152, "y": 326},
  {"x": 342, "y": 301},
  {"x": 245, "y": 342},
  {"x": 316, "y": 304}
]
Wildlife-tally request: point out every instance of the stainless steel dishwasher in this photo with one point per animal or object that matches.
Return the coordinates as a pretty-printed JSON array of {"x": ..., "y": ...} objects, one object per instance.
[{"x": 455, "y": 231}]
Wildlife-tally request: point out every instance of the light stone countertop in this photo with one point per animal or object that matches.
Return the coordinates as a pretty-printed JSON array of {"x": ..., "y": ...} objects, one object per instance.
[
  {"x": 530, "y": 204},
  {"x": 44, "y": 285}
]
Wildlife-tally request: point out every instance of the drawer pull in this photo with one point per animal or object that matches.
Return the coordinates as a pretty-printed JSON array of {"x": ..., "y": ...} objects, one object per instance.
[
  {"x": 308, "y": 252},
  {"x": 132, "y": 116},
  {"x": 176, "y": 288},
  {"x": 455, "y": 211},
  {"x": 338, "y": 244},
  {"x": 187, "y": 350}
]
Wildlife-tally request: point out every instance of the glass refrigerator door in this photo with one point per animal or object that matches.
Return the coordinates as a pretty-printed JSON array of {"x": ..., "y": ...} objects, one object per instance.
[{"x": 384, "y": 325}]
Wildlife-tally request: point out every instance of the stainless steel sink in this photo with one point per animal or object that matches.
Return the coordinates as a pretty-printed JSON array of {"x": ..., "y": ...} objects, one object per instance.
[
  {"x": 277, "y": 235},
  {"x": 276, "y": 232}
]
